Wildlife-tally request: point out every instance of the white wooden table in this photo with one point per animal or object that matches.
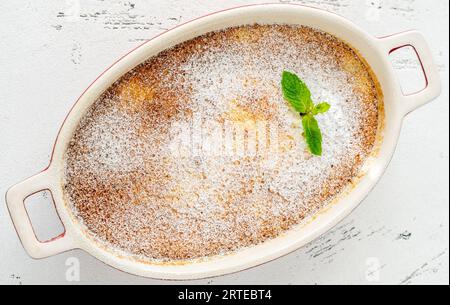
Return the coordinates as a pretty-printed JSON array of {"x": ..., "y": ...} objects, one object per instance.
[{"x": 51, "y": 50}]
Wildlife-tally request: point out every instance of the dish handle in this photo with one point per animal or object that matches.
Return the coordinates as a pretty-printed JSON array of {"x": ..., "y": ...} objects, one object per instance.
[
  {"x": 15, "y": 200},
  {"x": 433, "y": 86}
]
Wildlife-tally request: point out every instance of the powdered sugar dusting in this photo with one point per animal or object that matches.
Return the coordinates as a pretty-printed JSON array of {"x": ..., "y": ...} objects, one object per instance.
[{"x": 149, "y": 171}]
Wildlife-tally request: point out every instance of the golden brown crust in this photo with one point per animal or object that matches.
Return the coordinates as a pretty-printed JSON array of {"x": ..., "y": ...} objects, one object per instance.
[{"x": 132, "y": 193}]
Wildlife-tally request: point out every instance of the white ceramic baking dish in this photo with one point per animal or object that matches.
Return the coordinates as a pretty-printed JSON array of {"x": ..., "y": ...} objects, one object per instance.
[{"x": 375, "y": 50}]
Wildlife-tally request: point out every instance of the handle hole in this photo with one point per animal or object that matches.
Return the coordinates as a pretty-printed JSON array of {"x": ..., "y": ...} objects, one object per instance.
[
  {"x": 409, "y": 70},
  {"x": 43, "y": 216}
]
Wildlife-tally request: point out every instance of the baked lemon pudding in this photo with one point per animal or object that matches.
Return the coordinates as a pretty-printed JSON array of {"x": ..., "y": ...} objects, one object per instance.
[{"x": 197, "y": 153}]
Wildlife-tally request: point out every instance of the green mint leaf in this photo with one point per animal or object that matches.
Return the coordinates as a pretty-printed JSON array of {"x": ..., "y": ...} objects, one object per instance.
[
  {"x": 296, "y": 93},
  {"x": 321, "y": 108},
  {"x": 312, "y": 134}
]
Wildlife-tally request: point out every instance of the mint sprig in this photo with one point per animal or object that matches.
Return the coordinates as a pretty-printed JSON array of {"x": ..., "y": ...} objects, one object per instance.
[{"x": 297, "y": 93}]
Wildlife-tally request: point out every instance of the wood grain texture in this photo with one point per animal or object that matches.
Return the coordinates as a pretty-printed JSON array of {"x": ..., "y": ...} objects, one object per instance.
[{"x": 51, "y": 50}]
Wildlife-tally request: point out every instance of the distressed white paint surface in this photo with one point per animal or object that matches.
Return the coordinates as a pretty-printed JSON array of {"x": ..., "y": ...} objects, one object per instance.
[{"x": 50, "y": 51}]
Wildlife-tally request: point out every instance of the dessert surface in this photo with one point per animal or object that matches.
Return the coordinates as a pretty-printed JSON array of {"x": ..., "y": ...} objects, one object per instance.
[{"x": 195, "y": 153}]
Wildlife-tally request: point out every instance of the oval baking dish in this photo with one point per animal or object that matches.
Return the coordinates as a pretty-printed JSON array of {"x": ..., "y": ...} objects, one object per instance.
[{"x": 396, "y": 106}]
